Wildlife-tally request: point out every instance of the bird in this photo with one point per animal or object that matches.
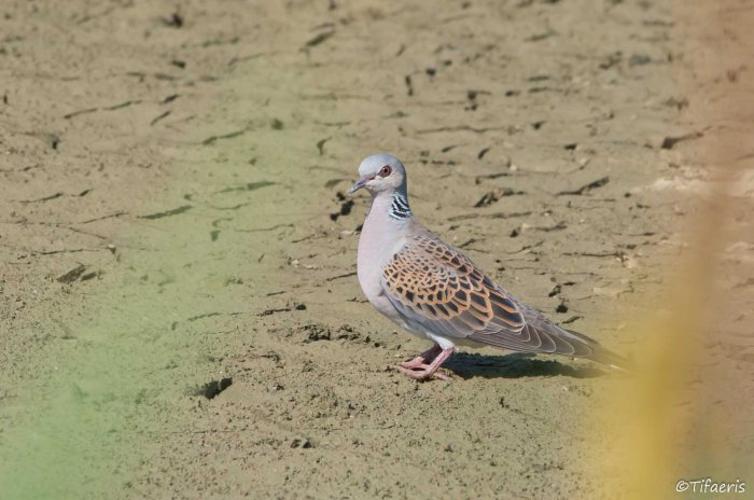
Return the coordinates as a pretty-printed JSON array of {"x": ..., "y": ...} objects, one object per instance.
[{"x": 436, "y": 292}]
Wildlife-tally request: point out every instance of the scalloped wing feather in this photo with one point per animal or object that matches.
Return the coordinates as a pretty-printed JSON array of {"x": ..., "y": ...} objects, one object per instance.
[{"x": 436, "y": 286}]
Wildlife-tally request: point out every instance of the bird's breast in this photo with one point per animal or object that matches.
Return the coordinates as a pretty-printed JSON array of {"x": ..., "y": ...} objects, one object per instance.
[{"x": 377, "y": 245}]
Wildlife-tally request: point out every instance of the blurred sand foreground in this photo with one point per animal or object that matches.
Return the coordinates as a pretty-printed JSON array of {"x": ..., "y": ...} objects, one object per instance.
[{"x": 179, "y": 314}]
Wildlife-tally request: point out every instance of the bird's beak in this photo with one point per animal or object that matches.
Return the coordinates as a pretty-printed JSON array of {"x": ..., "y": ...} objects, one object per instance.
[{"x": 359, "y": 184}]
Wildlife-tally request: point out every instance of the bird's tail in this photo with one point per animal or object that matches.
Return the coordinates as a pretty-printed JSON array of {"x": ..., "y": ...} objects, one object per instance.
[{"x": 597, "y": 352}]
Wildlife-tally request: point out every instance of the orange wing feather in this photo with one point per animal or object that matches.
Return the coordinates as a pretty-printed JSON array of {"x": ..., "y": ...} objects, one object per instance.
[{"x": 434, "y": 285}]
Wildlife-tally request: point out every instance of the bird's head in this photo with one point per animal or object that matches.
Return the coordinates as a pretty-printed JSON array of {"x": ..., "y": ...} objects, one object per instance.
[{"x": 380, "y": 173}]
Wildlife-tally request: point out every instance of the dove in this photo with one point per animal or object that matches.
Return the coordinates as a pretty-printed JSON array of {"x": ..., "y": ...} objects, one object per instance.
[{"x": 434, "y": 291}]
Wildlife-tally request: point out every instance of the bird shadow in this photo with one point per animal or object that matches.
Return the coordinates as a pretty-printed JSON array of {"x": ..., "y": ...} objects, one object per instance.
[{"x": 517, "y": 365}]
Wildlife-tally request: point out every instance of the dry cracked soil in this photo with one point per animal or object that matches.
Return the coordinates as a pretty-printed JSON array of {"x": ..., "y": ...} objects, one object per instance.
[{"x": 179, "y": 311}]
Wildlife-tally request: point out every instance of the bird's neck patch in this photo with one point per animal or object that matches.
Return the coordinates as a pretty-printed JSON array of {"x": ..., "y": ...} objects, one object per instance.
[{"x": 399, "y": 209}]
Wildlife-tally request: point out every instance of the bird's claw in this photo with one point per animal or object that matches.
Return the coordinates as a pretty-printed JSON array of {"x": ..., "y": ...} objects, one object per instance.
[
  {"x": 412, "y": 364},
  {"x": 421, "y": 372}
]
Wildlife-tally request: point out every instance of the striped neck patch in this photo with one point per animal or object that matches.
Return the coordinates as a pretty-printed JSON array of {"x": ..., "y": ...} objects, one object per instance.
[{"x": 399, "y": 209}]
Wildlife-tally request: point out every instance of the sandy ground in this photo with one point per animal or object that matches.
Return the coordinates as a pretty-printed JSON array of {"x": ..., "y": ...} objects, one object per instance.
[{"x": 179, "y": 310}]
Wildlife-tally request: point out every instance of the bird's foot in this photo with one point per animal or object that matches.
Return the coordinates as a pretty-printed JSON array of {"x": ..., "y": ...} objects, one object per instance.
[
  {"x": 419, "y": 369},
  {"x": 423, "y": 359},
  {"x": 415, "y": 363},
  {"x": 422, "y": 372}
]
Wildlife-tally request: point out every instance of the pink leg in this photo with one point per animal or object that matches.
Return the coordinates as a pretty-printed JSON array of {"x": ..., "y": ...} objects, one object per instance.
[
  {"x": 428, "y": 371},
  {"x": 422, "y": 359}
]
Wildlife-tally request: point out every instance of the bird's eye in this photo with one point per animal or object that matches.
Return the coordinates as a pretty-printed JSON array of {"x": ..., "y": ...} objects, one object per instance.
[{"x": 385, "y": 171}]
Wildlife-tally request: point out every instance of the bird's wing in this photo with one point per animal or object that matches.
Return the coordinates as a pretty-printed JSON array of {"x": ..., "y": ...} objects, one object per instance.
[{"x": 436, "y": 286}]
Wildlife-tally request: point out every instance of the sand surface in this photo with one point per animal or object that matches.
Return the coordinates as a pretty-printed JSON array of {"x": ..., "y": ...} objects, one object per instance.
[{"x": 179, "y": 310}]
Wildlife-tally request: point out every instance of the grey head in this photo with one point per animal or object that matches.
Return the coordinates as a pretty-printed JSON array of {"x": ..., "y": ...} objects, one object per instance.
[{"x": 381, "y": 173}]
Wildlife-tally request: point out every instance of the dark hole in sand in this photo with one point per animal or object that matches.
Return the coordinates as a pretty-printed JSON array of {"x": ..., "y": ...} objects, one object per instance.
[{"x": 211, "y": 389}]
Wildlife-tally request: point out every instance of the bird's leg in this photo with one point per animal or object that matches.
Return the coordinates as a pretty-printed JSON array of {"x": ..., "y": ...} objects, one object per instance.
[
  {"x": 423, "y": 359},
  {"x": 426, "y": 372}
]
